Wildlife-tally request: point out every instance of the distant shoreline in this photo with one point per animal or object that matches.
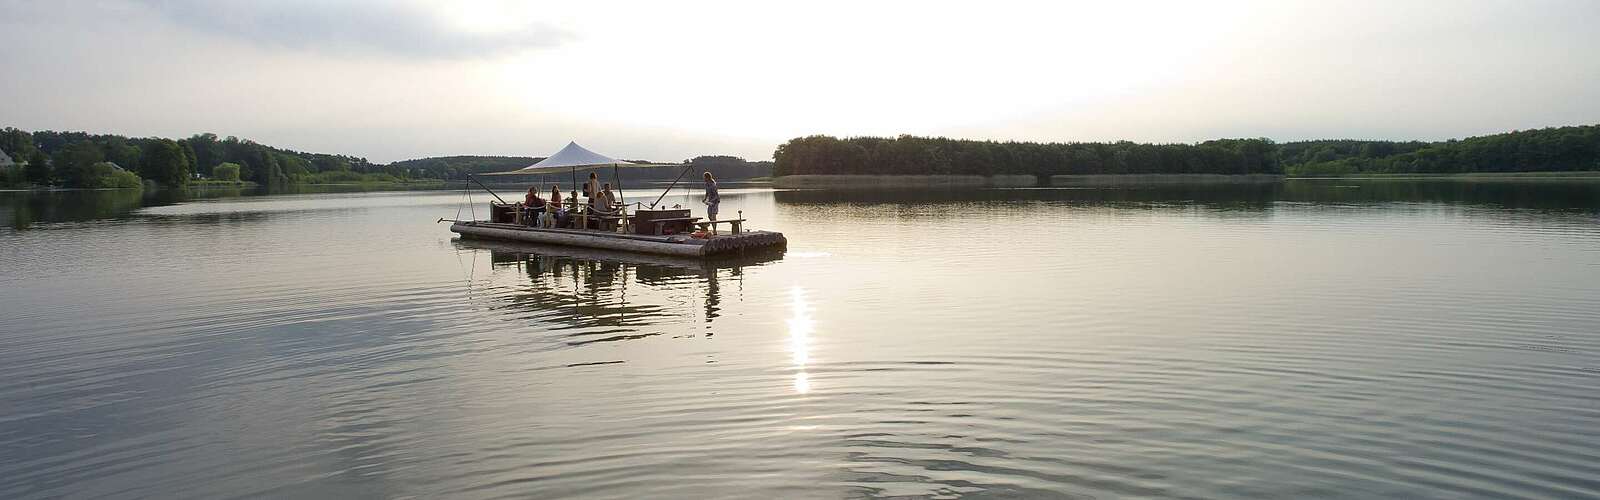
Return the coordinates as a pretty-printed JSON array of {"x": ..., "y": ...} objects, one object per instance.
[
  {"x": 211, "y": 183},
  {"x": 1116, "y": 179},
  {"x": 846, "y": 181},
  {"x": 881, "y": 181},
  {"x": 1573, "y": 174},
  {"x": 216, "y": 184},
  {"x": 416, "y": 183}
]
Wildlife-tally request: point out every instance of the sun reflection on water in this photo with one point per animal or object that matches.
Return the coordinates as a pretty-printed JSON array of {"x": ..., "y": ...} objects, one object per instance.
[
  {"x": 802, "y": 383},
  {"x": 800, "y": 327}
]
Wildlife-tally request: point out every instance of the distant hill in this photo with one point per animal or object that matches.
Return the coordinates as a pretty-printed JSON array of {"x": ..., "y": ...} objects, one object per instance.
[{"x": 456, "y": 167}]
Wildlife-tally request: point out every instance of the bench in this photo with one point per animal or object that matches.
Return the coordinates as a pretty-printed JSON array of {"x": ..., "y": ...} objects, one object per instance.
[
  {"x": 706, "y": 225},
  {"x": 620, "y": 214}
]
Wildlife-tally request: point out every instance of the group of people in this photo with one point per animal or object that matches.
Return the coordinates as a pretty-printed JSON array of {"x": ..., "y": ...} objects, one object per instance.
[{"x": 551, "y": 213}]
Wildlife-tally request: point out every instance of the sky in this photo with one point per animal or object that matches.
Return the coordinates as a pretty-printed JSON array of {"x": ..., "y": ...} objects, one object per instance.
[{"x": 666, "y": 81}]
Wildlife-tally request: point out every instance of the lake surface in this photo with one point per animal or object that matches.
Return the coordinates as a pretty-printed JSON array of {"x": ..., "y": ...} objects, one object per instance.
[{"x": 1356, "y": 339}]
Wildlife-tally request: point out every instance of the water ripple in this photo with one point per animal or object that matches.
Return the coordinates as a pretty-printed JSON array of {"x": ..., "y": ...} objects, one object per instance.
[{"x": 1046, "y": 343}]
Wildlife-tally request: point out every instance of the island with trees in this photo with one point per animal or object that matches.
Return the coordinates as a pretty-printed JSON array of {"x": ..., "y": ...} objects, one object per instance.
[{"x": 829, "y": 159}]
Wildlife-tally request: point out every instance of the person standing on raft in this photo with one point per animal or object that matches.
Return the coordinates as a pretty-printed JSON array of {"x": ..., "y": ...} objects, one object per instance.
[
  {"x": 591, "y": 190},
  {"x": 712, "y": 200}
]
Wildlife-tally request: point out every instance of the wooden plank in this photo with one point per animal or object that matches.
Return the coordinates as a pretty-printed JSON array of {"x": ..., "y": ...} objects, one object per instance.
[
  {"x": 584, "y": 232},
  {"x": 677, "y": 245},
  {"x": 737, "y": 224}
]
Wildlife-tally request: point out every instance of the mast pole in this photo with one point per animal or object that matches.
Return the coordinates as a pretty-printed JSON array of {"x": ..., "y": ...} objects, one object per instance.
[
  {"x": 485, "y": 188},
  {"x": 468, "y": 191},
  {"x": 674, "y": 183}
]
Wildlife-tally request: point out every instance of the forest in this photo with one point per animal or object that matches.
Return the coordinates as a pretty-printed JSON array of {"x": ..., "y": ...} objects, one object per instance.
[
  {"x": 910, "y": 155},
  {"x": 84, "y": 160},
  {"x": 1556, "y": 149},
  {"x": 1549, "y": 149}
]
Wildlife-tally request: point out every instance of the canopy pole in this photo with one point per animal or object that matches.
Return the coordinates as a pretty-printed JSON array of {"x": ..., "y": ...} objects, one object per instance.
[
  {"x": 617, "y": 178},
  {"x": 674, "y": 183}
]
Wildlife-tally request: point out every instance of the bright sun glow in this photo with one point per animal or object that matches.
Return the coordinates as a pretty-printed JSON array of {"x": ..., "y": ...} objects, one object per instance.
[{"x": 765, "y": 73}]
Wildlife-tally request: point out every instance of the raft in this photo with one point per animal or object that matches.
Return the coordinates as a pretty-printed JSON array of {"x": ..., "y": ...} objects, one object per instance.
[{"x": 678, "y": 245}]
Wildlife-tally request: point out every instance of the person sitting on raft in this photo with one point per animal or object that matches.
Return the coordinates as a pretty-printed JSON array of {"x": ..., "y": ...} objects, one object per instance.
[
  {"x": 554, "y": 215},
  {"x": 605, "y": 203},
  {"x": 532, "y": 206}
]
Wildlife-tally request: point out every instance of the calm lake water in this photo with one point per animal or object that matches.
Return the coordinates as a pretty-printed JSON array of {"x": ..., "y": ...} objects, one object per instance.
[{"x": 1356, "y": 339}]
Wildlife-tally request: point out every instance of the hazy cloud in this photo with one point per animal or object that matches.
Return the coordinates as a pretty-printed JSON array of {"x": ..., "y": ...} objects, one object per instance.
[
  {"x": 407, "y": 78},
  {"x": 364, "y": 27}
]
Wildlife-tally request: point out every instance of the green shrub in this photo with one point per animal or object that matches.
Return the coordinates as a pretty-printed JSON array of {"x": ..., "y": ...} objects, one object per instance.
[
  {"x": 226, "y": 172},
  {"x": 12, "y": 176},
  {"x": 337, "y": 176},
  {"x": 122, "y": 179},
  {"x": 104, "y": 175},
  {"x": 1324, "y": 169}
]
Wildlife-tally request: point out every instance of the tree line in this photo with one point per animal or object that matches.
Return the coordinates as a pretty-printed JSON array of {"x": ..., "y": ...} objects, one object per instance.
[
  {"x": 84, "y": 160},
  {"x": 729, "y": 167},
  {"x": 1555, "y": 149},
  {"x": 912, "y": 155},
  {"x": 1549, "y": 149}
]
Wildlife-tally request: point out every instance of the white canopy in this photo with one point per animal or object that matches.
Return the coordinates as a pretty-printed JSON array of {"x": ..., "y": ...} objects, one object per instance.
[
  {"x": 574, "y": 157},
  {"x": 570, "y": 157}
]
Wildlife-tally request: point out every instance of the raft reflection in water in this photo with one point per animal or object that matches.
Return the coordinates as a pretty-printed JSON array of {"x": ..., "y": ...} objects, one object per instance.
[{"x": 585, "y": 293}]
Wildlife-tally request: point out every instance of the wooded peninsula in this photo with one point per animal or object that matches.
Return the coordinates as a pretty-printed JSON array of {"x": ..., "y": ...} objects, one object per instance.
[{"x": 1559, "y": 149}]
